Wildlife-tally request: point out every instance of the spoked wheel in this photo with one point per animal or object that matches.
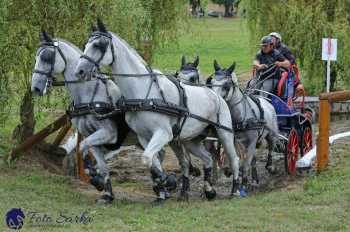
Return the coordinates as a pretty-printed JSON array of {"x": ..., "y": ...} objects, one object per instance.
[
  {"x": 292, "y": 152},
  {"x": 306, "y": 140}
]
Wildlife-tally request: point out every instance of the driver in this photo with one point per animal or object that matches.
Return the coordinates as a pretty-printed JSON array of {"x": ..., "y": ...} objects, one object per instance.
[
  {"x": 268, "y": 62},
  {"x": 281, "y": 47},
  {"x": 287, "y": 53},
  {"x": 268, "y": 55}
]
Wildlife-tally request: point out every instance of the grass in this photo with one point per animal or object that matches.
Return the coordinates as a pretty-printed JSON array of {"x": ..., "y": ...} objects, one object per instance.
[
  {"x": 223, "y": 39},
  {"x": 322, "y": 203}
]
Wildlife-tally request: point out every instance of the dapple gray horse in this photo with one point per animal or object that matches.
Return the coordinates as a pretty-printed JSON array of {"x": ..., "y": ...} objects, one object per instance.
[
  {"x": 56, "y": 56},
  {"x": 254, "y": 124},
  {"x": 155, "y": 130},
  {"x": 189, "y": 72}
]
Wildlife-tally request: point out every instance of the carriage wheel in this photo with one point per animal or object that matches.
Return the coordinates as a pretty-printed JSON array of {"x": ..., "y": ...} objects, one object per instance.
[
  {"x": 306, "y": 140},
  {"x": 292, "y": 152}
]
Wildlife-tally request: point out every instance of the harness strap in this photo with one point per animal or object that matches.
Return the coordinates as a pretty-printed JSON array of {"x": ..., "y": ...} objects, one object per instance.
[{"x": 158, "y": 106}]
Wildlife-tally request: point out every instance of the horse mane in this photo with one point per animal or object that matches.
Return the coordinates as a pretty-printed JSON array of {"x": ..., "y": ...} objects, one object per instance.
[
  {"x": 70, "y": 44},
  {"x": 131, "y": 49}
]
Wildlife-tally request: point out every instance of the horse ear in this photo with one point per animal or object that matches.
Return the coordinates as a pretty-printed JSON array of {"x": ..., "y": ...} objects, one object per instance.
[
  {"x": 41, "y": 37},
  {"x": 216, "y": 66},
  {"x": 183, "y": 61},
  {"x": 231, "y": 68},
  {"x": 93, "y": 27},
  {"x": 196, "y": 62},
  {"x": 101, "y": 26},
  {"x": 44, "y": 37}
]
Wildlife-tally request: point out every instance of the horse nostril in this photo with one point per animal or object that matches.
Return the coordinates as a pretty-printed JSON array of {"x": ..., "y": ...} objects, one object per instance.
[{"x": 81, "y": 72}]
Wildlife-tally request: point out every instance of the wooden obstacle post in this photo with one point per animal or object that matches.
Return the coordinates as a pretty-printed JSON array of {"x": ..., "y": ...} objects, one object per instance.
[
  {"x": 38, "y": 137},
  {"x": 324, "y": 119},
  {"x": 80, "y": 163},
  {"x": 323, "y": 135}
]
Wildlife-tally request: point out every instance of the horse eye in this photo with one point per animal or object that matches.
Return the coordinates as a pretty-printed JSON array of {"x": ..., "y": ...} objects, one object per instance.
[{"x": 226, "y": 86}]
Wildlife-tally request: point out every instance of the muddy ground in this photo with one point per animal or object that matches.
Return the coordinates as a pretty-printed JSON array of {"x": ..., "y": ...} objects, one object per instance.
[{"x": 132, "y": 182}]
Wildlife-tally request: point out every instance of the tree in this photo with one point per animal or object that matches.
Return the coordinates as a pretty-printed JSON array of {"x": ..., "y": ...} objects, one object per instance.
[
  {"x": 136, "y": 21},
  {"x": 303, "y": 24},
  {"x": 228, "y": 4}
]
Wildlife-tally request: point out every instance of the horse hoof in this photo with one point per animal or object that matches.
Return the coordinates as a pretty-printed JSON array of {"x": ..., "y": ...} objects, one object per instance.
[
  {"x": 97, "y": 181},
  {"x": 194, "y": 171},
  {"x": 171, "y": 182},
  {"x": 105, "y": 200},
  {"x": 210, "y": 195}
]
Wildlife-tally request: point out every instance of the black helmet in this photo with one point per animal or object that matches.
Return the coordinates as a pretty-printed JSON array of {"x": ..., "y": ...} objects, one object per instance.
[{"x": 266, "y": 40}]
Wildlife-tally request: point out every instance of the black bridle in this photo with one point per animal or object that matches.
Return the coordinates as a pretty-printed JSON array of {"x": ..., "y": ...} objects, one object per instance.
[
  {"x": 51, "y": 79},
  {"x": 187, "y": 70},
  {"x": 101, "y": 47}
]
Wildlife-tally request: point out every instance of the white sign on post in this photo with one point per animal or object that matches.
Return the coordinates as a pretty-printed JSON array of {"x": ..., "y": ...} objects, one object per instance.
[
  {"x": 329, "y": 53},
  {"x": 329, "y": 49}
]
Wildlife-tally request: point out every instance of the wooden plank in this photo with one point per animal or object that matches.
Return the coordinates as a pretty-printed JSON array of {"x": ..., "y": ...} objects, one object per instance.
[
  {"x": 38, "y": 137},
  {"x": 80, "y": 163},
  {"x": 323, "y": 136},
  {"x": 62, "y": 133},
  {"x": 336, "y": 96}
]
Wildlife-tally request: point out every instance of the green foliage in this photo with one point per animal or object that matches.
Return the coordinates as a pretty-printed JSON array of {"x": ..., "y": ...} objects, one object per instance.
[
  {"x": 156, "y": 21},
  {"x": 303, "y": 24}
]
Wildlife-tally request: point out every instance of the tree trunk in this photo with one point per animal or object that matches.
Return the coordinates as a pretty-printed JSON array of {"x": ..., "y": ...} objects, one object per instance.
[
  {"x": 228, "y": 10},
  {"x": 27, "y": 121}
]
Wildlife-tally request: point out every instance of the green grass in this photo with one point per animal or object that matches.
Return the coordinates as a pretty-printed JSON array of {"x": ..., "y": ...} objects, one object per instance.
[
  {"x": 223, "y": 39},
  {"x": 322, "y": 203}
]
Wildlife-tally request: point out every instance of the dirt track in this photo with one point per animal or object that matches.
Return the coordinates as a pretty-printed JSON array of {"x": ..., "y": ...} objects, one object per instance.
[{"x": 132, "y": 182}]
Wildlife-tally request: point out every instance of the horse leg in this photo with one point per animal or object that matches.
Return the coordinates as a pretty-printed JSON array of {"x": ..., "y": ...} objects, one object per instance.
[
  {"x": 102, "y": 177},
  {"x": 255, "y": 175},
  {"x": 227, "y": 140},
  {"x": 96, "y": 139},
  {"x": 152, "y": 149},
  {"x": 184, "y": 164},
  {"x": 269, "y": 166},
  {"x": 197, "y": 148},
  {"x": 193, "y": 170},
  {"x": 251, "y": 150}
]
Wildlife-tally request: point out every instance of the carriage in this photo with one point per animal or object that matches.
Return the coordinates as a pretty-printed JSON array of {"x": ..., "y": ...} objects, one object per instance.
[{"x": 295, "y": 124}]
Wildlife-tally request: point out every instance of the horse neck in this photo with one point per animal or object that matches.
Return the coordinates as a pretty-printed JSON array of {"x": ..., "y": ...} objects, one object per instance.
[
  {"x": 236, "y": 103},
  {"x": 78, "y": 92},
  {"x": 127, "y": 62}
]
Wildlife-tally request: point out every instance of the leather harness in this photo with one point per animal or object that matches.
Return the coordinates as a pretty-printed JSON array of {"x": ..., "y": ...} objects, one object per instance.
[{"x": 158, "y": 105}]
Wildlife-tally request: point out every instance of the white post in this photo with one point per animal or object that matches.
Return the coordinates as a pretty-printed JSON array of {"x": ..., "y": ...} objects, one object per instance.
[
  {"x": 329, "y": 65},
  {"x": 328, "y": 75}
]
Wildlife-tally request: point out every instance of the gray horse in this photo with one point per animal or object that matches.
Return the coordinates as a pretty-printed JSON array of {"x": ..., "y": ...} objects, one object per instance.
[
  {"x": 155, "y": 130},
  {"x": 189, "y": 72},
  {"x": 56, "y": 56},
  {"x": 255, "y": 118}
]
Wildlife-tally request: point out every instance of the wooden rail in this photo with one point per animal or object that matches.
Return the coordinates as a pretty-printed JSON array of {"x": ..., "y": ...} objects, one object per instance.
[
  {"x": 324, "y": 119},
  {"x": 38, "y": 137}
]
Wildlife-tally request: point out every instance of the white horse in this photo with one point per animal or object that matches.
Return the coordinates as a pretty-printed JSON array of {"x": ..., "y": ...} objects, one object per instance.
[
  {"x": 155, "y": 130},
  {"x": 254, "y": 122},
  {"x": 57, "y": 56}
]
